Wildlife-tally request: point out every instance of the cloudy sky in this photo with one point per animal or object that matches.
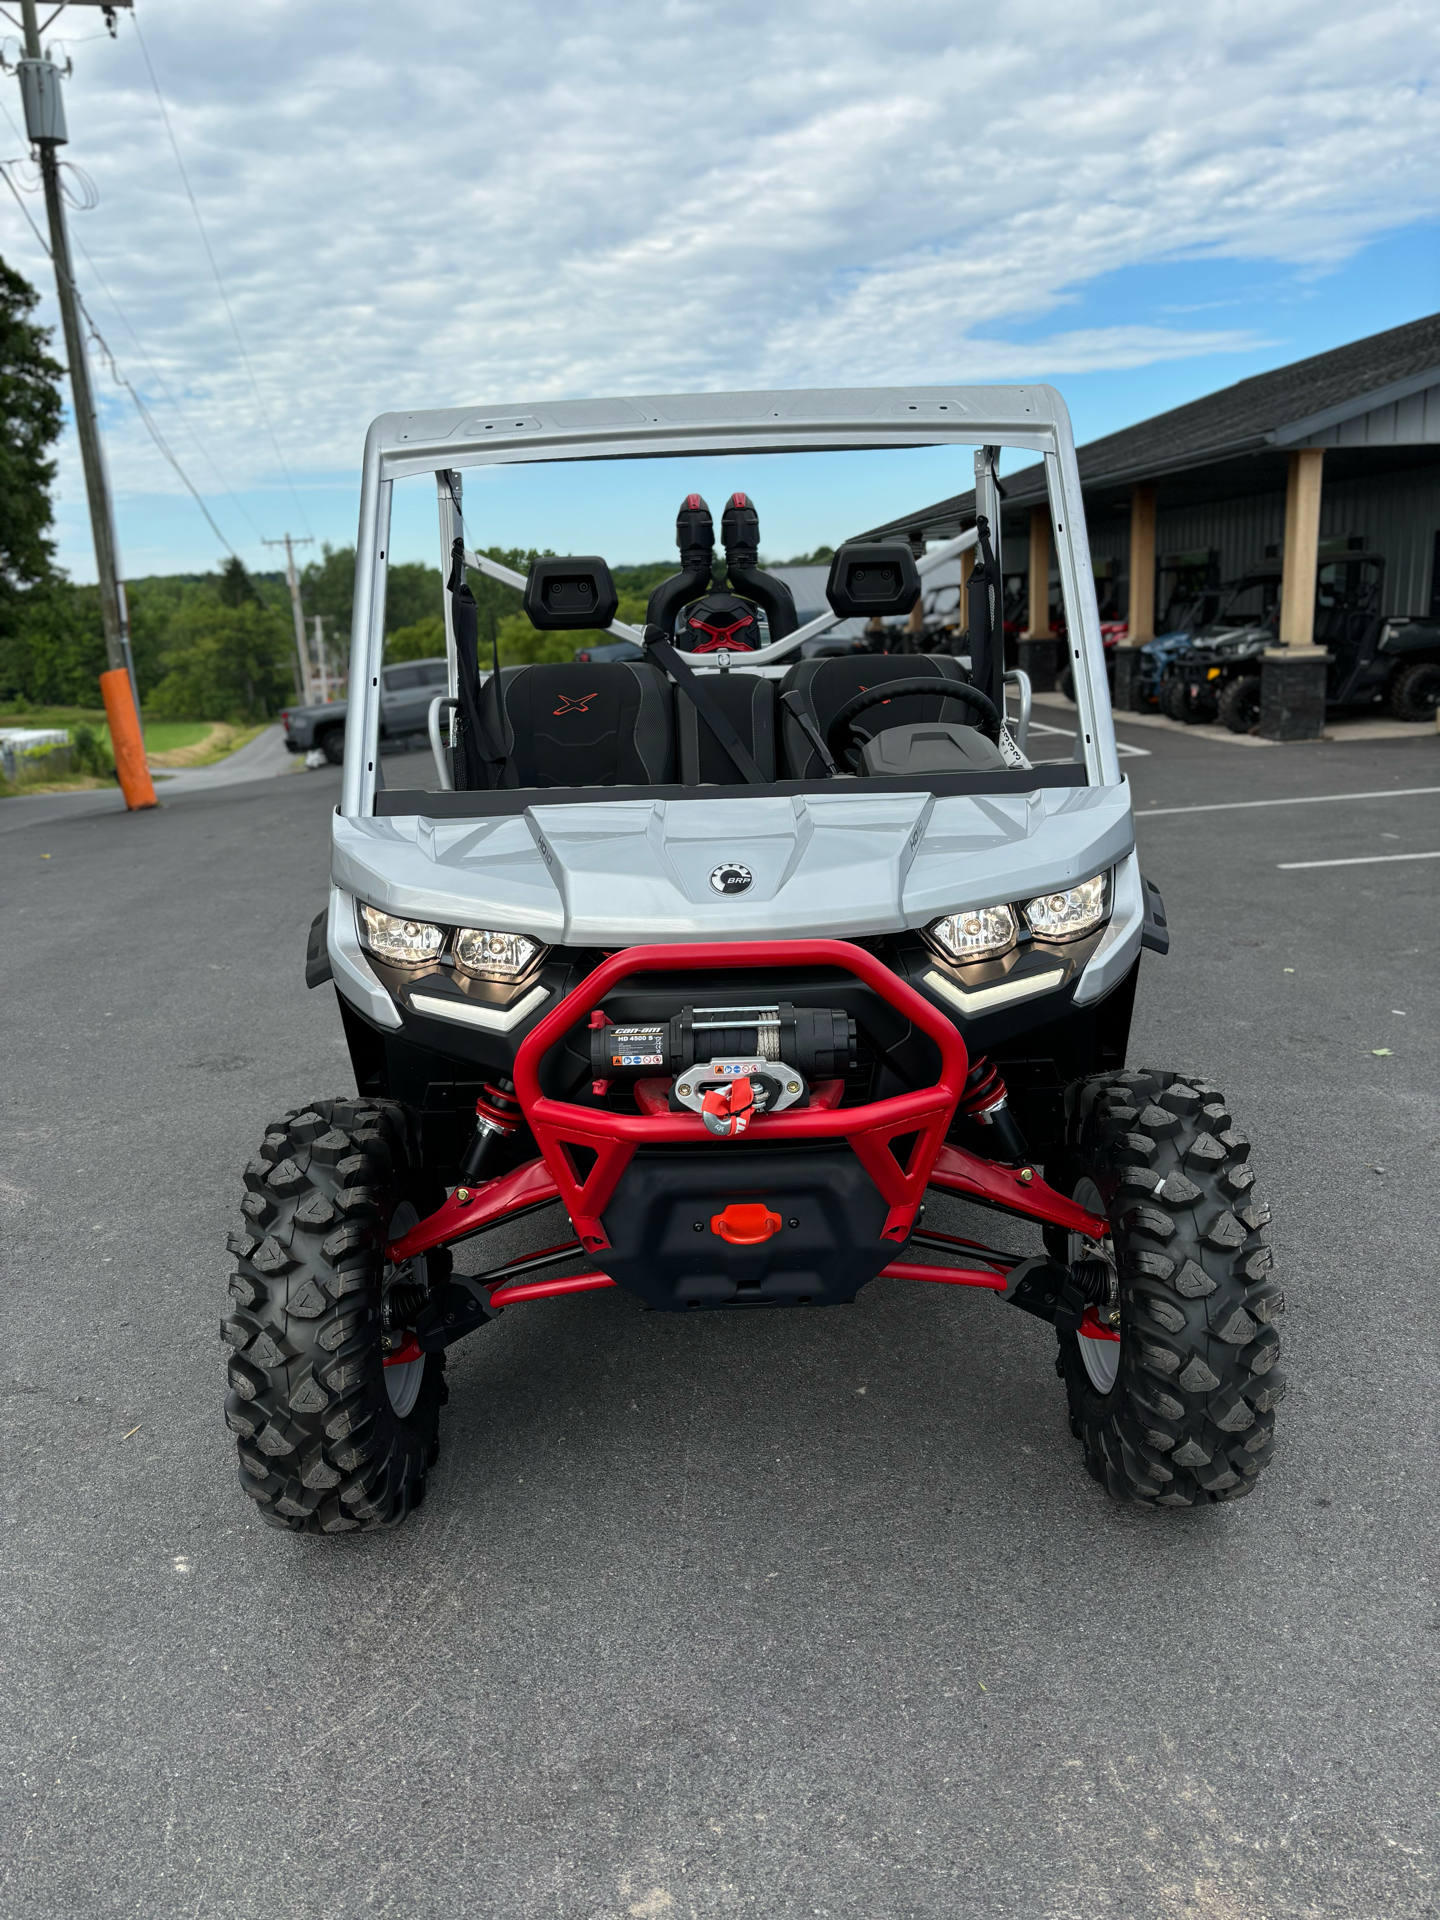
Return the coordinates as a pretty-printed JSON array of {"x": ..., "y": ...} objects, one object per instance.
[{"x": 463, "y": 203}]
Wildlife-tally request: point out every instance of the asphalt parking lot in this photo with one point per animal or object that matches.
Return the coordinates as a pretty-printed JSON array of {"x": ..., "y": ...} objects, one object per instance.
[{"x": 778, "y": 1615}]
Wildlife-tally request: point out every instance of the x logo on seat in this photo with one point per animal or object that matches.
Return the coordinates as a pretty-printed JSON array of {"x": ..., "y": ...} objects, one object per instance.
[{"x": 574, "y": 704}]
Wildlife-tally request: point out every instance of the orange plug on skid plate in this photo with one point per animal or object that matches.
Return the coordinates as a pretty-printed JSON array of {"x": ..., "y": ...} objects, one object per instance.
[{"x": 745, "y": 1224}]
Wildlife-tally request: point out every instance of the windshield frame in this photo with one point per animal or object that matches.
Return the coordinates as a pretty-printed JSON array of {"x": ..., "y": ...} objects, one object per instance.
[{"x": 444, "y": 443}]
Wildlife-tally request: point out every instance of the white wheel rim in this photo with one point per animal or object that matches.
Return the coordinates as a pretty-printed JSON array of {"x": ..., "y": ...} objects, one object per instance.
[
  {"x": 402, "y": 1383},
  {"x": 1101, "y": 1359}
]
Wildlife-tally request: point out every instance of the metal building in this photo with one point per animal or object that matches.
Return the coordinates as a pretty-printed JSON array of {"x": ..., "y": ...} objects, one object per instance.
[{"x": 1339, "y": 447}]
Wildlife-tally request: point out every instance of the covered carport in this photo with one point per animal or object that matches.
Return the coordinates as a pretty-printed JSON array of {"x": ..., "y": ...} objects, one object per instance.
[{"x": 1340, "y": 447}]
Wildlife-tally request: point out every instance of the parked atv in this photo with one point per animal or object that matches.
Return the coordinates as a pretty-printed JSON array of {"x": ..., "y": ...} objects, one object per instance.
[
  {"x": 1375, "y": 657},
  {"x": 1113, "y": 632},
  {"x": 715, "y": 965}
]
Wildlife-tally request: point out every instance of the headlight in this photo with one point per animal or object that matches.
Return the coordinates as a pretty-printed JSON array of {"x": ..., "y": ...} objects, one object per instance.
[
  {"x": 1067, "y": 915},
  {"x": 980, "y": 933},
  {"x": 493, "y": 956},
  {"x": 405, "y": 943}
]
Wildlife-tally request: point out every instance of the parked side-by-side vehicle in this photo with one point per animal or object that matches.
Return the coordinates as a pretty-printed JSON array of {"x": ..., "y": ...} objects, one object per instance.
[{"x": 709, "y": 972}]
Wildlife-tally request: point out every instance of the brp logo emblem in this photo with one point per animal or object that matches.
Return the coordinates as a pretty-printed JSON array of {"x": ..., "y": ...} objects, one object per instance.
[{"x": 731, "y": 878}]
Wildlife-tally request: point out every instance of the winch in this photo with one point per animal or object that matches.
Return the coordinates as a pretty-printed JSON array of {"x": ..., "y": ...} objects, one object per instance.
[{"x": 730, "y": 1063}]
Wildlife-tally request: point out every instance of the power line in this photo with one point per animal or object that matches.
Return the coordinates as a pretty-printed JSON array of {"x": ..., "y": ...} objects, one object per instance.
[
  {"x": 215, "y": 270},
  {"x": 156, "y": 375},
  {"x": 159, "y": 380},
  {"x": 145, "y": 414}
]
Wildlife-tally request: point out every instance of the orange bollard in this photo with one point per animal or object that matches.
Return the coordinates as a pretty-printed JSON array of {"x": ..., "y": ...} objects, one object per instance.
[{"x": 125, "y": 739}]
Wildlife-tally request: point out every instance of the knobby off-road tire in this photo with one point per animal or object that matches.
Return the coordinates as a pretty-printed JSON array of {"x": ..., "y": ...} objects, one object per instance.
[
  {"x": 326, "y": 1443},
  {"x": 1413, "y": 690},
  {"x": 1191, "y": 1416},
  {"x": 1239, "y": 707}
]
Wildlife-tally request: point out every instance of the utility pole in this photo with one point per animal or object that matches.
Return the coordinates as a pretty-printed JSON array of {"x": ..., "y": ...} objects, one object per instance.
[
  {"x": 320, "y": 659},
  {"x": 45, "y": 125},
  {"x": 292, "y": 581}
]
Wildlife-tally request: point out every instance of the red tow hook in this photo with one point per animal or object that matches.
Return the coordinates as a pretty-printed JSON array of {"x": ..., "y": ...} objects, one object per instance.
[
  {"x": 746, "y": 1224},
  {"x": 728, "y": 1109}
]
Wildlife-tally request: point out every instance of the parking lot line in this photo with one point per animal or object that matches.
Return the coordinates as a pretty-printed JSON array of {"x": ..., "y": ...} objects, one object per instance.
[
  {"x": 1124, "y": 748},
  {"x": 1360, "y": 860},
  {"x": 1287, "y": 800}
]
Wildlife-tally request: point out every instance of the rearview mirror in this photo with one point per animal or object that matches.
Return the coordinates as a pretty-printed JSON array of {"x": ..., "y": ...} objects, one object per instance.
[
  {"x": 870, "y": 577},
  {"x": 570, "y": 592}
]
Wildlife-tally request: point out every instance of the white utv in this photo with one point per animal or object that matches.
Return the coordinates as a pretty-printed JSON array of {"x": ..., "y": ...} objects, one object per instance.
[{"x": 718, "y": 959}]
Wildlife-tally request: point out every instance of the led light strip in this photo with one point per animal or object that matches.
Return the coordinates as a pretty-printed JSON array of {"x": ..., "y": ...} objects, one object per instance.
[
  {"x": 493, "y": 1019},
  {"x": 999, "y": 994}
]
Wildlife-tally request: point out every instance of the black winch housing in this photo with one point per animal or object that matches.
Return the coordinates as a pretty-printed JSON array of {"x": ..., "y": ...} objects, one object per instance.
[{"x": 818, "y": 1041}]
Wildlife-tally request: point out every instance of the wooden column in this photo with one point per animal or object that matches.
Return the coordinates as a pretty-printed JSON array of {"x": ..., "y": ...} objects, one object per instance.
[
  {"x": 1293, "y": 675},
  {"x": 1038, "y": 583},
  {"x": 963, "y": 605},
  {"x": 1141, "y": 606},
  {"x": 1036, "y": 653},
  {"x": 1298, "y": 555}
]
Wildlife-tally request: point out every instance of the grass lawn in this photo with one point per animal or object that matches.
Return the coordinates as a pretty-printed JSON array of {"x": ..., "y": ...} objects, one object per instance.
[
  {"x": 160, "y": 735},
  {"x": 168, "y": 743}
]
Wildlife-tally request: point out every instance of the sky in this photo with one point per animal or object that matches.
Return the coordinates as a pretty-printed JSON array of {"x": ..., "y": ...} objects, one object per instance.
[{"x": 478, "y": 205}]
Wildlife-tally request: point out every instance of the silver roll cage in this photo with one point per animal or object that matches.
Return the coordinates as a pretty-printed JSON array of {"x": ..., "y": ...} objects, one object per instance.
[{"x": 444, "y": 442}]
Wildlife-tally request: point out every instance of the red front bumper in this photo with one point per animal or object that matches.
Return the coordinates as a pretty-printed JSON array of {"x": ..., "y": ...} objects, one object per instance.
[{"x": 586, "y": 1152}]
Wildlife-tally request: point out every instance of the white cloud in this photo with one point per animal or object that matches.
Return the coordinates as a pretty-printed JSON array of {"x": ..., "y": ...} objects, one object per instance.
[{"x": 484, "y": 204}]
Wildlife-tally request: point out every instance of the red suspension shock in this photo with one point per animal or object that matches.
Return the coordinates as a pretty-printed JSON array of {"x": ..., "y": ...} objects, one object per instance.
[
  {"x": 985, "y": 1101},
  {"x": 497, "y": 1116},
  {"x": 984, "y": 1090}
]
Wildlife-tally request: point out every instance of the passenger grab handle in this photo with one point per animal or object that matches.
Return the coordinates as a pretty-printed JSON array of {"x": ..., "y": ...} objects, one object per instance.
[{"x": 437, "y": 746}]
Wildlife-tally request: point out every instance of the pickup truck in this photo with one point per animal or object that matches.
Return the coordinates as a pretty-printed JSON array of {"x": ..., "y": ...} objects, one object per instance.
[{"x": 406, "y": 691}]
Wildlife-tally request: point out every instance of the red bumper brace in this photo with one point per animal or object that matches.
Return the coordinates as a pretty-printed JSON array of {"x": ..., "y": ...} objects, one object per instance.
[{"x": 560, "y": 1127}]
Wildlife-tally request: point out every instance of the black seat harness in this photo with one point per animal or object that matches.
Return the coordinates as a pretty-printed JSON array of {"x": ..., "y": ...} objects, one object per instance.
[{"x": 699, "y": 696}]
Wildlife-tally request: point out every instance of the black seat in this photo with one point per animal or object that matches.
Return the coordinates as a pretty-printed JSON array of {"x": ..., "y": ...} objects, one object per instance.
[
  {"x": 579, "y": 724},
  {"x": 748, "y": 702},
  {"x": 828, "y": 684}
]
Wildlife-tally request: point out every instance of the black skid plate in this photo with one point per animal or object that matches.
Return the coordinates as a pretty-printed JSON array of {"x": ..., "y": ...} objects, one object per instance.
[{"x": 665, "y": 1250}]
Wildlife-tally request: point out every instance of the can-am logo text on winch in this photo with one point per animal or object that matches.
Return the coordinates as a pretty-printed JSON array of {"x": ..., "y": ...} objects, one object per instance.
[{"x": 730, "y": 878}]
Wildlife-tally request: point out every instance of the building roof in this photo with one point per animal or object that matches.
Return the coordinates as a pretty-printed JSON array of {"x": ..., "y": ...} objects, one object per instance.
[{"x": 1265, "y": 414}]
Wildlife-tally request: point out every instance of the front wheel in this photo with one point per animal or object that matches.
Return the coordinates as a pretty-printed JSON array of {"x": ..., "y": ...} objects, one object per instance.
[
  {"x": 1240, "y": 705},
  {"x": 1172, "y": 1379},
  {"x": 1413, "y": 691},
  {"x": 335, "y": 1410}
]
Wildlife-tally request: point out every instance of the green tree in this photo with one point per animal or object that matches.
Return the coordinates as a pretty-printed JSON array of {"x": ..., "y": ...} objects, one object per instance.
[
  {"x": 327, "y": 586},
  {"x": 236, "y": 587},
  {"x": 413, "y": 590},
  {"x": 30, "y": 409},
  {"x": 425, "y": 640},
  {"x": 521, "y": 644},
  {"x": 52, "y": 646},
  {"x": 223, "y": 662}
]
